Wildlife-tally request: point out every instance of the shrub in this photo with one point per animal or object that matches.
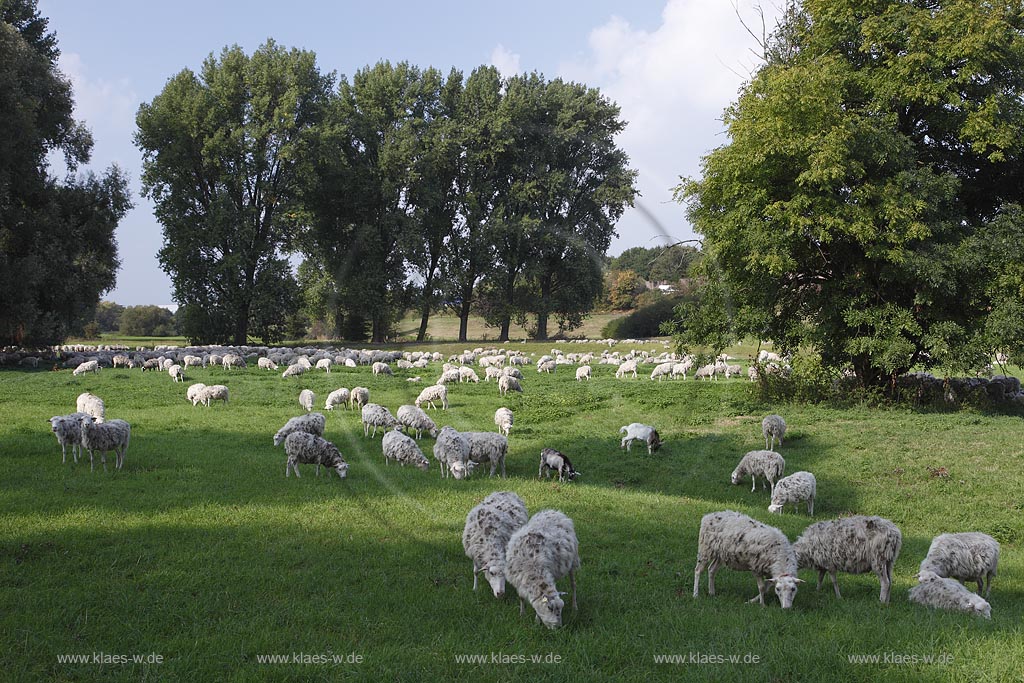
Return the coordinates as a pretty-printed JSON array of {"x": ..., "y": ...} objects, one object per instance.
[{"x": 643, "y": 322}]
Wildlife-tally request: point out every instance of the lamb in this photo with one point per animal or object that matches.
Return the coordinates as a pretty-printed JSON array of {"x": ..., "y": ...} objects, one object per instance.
[
  {"x": 508, "y": 383},
  {"x": 324, "y": 364},
  {"x": 294, "y": 370},
  {"x": 266, "y": 364},
  {"x": 556, "y": 461},
  {"x": 306, "y": 399},
  {"x": 467, "y": 374},
  {"x": 105, "y": 436},
  {"x": 376, "y": 415},
  {"x": 735, "y": 540},
  {"x": 308, "y": 449},
  {"x": 489, "y": 526},
  {"x": 796, "y": 488},
  {"x": 402, "y": 449},
  {"x": 539, "y": 553},
  {"x": 215, "y": 392},
  {"x": 68, "y": 430},
  {"x": 854, "y": 545},
  {"x": 311, "y": 423},
  {"x": 661, "y": 370},
  {"x": 583, "y": 373},
  {"x": 767, "y": 464},
  {"x": 176, "y": 373},
  {"x": 487, "y": 447},
  {"x": 338, "y": 397},
  {"x": 413, "y": 417},
  {"x": 773, "y": 427},
  {"x": 451, "y": 450},
  {"x": 382, "y": 369},
  {"x": 88, "y": 366},
  {"x": 645, "y": 433},
  {"x": 435, "y": 392},
  {"x": 192, "y": 393},
  {"x": 91, "y": 404},
  {"x": 626, "y": 367},
  {"x": 967, "y": 556},
  {"x": 943, "y": 593},
  {"x": 504, "y": 420}
]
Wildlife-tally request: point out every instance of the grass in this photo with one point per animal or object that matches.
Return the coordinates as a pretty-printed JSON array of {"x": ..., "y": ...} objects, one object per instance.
[{"x": 202, "y": 552}]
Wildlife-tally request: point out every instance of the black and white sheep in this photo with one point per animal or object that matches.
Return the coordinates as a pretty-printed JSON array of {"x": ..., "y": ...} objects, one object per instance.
[
  {"x": 106, "y": 436},
  {"x": 403, "y": 450},
  {"x": 967, "y": 556},
  {"x": 556, "y": 461},
  {"x": 489, "y": 526},
  {"x": 767, "y": 464},
  {"x": 311, "y": 423},
  {"x": 539, "y": 553},
  {"x": 435, "y": 392},
  {"x": 637, "y": 431},
  {"x": 451, "y": 450},
  {"x": 854, "y": 545},
  {"x": 375, "y": 415},
  {"x": 413, "y": 418},
  {"x": 797, "y": 488},
  {"x": 773, "y": 427},
  {"x": 310, "y": 449},
  {"x": 504, "y": 420},
  {"x": 944, "y": 593},
  {"x": 488, "y": 447}
]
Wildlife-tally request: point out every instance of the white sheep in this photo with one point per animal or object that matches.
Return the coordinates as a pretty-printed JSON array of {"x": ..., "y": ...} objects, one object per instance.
[
  {"x": 122, "y": 361},
  {"x": 413, "y": 418},
  {"x": 767, "y": 464},
  {"x": 307, "y": 399},
  {"x": 266, "y": 364},
  {"x": 739, "y": 542},
  {"x": 215, "y": 392},
  {"x": 507, "y": 383},
  {"x": 451, "y": 450},
  {"x": 338, "y": 397},
  {"x": 449, "y": 376},
  {"x": 706, "y": 372},
  {"x": 967, "y": 556},
  {"x": 731, "y": 370},
  {"x": 492, "y": 372},
  {"x": 435, "y": 392},
  {"x": 504, "y": 420},
  {"x": 467, "y": 374},
  {"x": 359, "y": 396},
  {"x": 192, "y": 393},
  {"x": 232, "y": 360},
  {"x": 487, "y": 447},
  {"x": 92, "y": 405},
  {"x": 403, "y": 449},
  {"x": 176, "y": 372},
  {"x": 311, "y": 423},
  {"x": 294, "y": 370},
  {"x": 556, "y": 461},
  {"x": 796, "y": 488},
  {"x": 773, "y": 427},
  {"x": 376, "y": 415},
  {"x": 662, "y": 370},
  {"x": 512, "y": 372},
  {"x": 682, "y": 368},
  {"x": 68, "y": 430},
  {"x": 637, "y": 431},
  {"x": 485, "y": 536},
  {"x": 105, "y": 436},
  {"x": 854, "y": 545},
  {"x": 309, "y": 449},
  {"x": 625, "y": 368},
  {"x": 88, "y": 366},
  {"x": 382, "y": 369},
  {"x": 539, "y": 553},
  {"x": 547, "y": 366},
  {"x": 324, "y": 364},
  {"x": 943, "y": 593},
  {"x": 583, "y": 373}
]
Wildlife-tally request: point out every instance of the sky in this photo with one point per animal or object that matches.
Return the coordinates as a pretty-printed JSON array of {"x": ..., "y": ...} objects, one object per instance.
[{"x": 672, "y": 66}]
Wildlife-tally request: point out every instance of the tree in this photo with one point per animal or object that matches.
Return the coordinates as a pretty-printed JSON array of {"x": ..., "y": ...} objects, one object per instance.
[
  {"x": 878, "y": 144},
  {"x": 108, "y": 316},
  {"x": 147, "y": 321},
  {"x": 225, "y": 155},
  {"x": 622, "y": 288}
]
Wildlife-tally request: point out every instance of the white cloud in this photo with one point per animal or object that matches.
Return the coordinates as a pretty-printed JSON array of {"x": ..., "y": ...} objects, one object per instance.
[{"x": 506, "y": 61}]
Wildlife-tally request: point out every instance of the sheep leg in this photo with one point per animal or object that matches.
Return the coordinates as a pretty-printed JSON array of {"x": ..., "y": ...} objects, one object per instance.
[
  {"x": 760, "y": 589},
  {"x": 753, "y": 483},
  {"x": 521, "y": 610},
  {"x": 885, "y": 582},
  {"x": 572, "y": 582},
  {"x": 821, "y": 578},
  {"x": 810, "y": 506},
  {"x": 697, "y": 571},
  {"x": 295, "y": 466},
  {"x": 988, "y": 585},
  {"x": 980, "y": 584},
  {"x": 91, "y": 464},
  {"x": 503, "y": 469},
  {"x": 712, "y": 570},
  {"x": 475, "y": 577},
  {"x": 835, "y": 584},
  {"x": 103, "y": 457},
  {"x": 287, "y": 469}
]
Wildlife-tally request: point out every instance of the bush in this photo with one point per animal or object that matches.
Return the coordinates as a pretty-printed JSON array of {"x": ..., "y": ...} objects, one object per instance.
[{"x": 643, "y": 322}]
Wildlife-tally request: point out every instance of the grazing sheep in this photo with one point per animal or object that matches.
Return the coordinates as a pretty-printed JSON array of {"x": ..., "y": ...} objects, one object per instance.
[
  {"x": 324, "y": 364},
  {"x": 485, "y": 536},
  {"x": 706, "y": 372},
  {"x": 232, "y": 360},
  {"x": 451, "y": 450},
  {"x": 215, "y": 392},
  {"x": 266, "y": 364},
  {"x": 402, "y": 449},
  {"x": 492, "y": 372},
  {"x": 150, "y": 364},
  {"x": 413, "y": 418},
  {"x": 449, "y": 376},
  {"x": 547, "y": 366},
  {"x": 359, "y": 396},
  {"x": 310, "y": 423},
  {"x": 122, "y": 361},
  {"x": 435, "y": 392},
  {"x": 625, "y": 368},
  {"x": 731, "y": 370},
  {"x": 376, "y": 415},
  {"x": 682, "y": 368},
  {"x": 382, "y": 369},
  {"x": 556, "y": 461},
  {"x": 645, "y": 433},
  {"x": 467, "y": 374},
  {"x": 943, "y": 593},
  {"x": 512, "y": 372},
  {"x": 967, "y": 556},
  {"x": 88, "y": 366},
  {"x": 310, "y": 449},
  {"x": 662, "y": 370},
  {"x": 773, "y": 427},
  {"x": 294, "y": 370},
  {"x": 176, "y": 372},
  {"x": 105, "y": 436},
  {"x": 854, "y": 545},
  {"x": 504, "y": 419},
  {"x": 583, "y": 373},
  {"x": 507, "y": 383},
  {"x": 192, "y": 393},
  {"x": 539, "y": 553},
  {"x": 735, "y": 540},
  {"x": 796, "y": 488},
  {"x": 767, "y": 464},
  {"x": 92, "y": 405},
  {"x": 487, "y": 447},
  {"x": 306, "y": 399},
  {"x": 68, "y": 430},
  {"x": 338, "y": 397}
]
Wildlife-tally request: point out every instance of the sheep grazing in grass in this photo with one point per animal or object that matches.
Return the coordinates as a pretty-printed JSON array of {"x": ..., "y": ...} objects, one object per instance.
[
  {"x": 731, "y": 370},
  {"x": 625, "y": 368},
  {"x": 487, "y": 447},
  {"x": 122, "y": 361},
  {"x": 435, "y": 392},
  {"x": 767, "y": 464},
  {"x": 307, "y": 399},
  {"x": 403, "y": 450},
  {"x": 412, "y": 418},
  {"x": 92, "y": 405},
  {"x": 338, "y": 397},
  {"x": 556, "y": 461},
  {"x": 854, "y": 545},
  {"x": 682, "y": 368},
  {"x": 583, "y": 373},
  {"x": 943, "y": 593},
  {"x": 539, "y": 553},
  {"x": 773, "y": 427},
  {"x": 739, "y": 542},
  {"x": 967, "y": 556},
  {"x": 294, "y": 370},
  {"x": 467, "y": 374},
  {"x": 492, "y": 372},
  {"x": 359, "y": 396},
  {"x": 504, "y": 420},
  {"x": 68, "y": 430},
  {"x": 797, "y": 488},
  {"x": 310, "y": 423},
  {"x": 150, "y": 364},
  {"x": 376, "y": 415},
  {"x": 266, "y": 364},
  {"x": 507, "y": 383},
  {"x": 176, "y": 372},
  {"x": 105, "y": 436},
  {"x": 192, "y": 393},
  {"x": 324, "y": 364},
  {"x": 489, "y": 526},
  {"x": 662, "y": 370},
  {"x": 88, "y": 366},
  {"x": 637, "y": 431},
  {"x": 310, "y": 449},
  {"x": 451, "y": 450},
  {"x": 382, "y": 369},
  {"x": 547, "y": 366},
  {"x": 215, "y": 392},
  {"x": 512, "y": 372},
  {"x": 232, "y": 360},
  {"x": 450, "y": 376}
]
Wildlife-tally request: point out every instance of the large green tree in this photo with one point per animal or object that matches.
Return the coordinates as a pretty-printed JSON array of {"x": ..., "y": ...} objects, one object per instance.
[
  {"x": 874, "y": 151},
  {"x": 226, "y": 153}
]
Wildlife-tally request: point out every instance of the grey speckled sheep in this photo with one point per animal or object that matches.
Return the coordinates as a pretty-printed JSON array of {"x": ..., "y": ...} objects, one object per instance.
[
  {"x": 435, "y": 392},
  {"x": 338, "y": 397},
  {"x": 942, "y": 593},
  {"x": 403, "y": 450},
  {"x": 739, "y": 542},
  {"x": 68, "y": 430},
  {"x": 414, "y": 419},
  {"x": 106, "y": 436},
  {"x": 773, "y": 427},
  {"x": 376, "y": 415},
  {"x": 967, "y": 556},
  {"x": 504, "y": 420},
  {"x": 767, "y": 464},
  {"x": 310, "y": 449},
  {"x": 854, "y": 545},
  {"x": 214, "y": 392},
  {"x": 489, "y": 526},
  {"x": 359, "y": 396},
  {"x": 311, "y": 423},
  {"x": 488, "y": 447},
  {"x": 796, "y": 488},
  {"x": 307, "y": 399},
  {"x": 451, "y": 450},
  {"x": 556, "y": 461},
  {"x": 539, "y": 553},
  {"x": 91, "y": 404}
]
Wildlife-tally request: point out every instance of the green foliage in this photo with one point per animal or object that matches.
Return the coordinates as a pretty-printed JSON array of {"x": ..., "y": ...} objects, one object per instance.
[
  {"x": 644, "y": 322},
  {"x": 657, "y": 264},
  {"x": 706, "y": 320},
  {"x": 621, "y": 289},
  {"x": 108, "y": 316},
  {"x": 147, "y": 321}
]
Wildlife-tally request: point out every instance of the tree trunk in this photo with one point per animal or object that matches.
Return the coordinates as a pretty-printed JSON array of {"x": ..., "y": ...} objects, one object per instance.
[
  {"x": 428, "y": 292},
  {"x": 464, "y": 319},
  {"x": 242, "y": 326},
  {"x": 379, "y": 330},
  {"x": 543, "y": 308},
  {"x": 506, "y": 322}
]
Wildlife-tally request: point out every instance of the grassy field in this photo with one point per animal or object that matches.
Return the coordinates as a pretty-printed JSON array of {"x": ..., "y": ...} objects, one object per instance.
[{"x": 201, "y": 552}]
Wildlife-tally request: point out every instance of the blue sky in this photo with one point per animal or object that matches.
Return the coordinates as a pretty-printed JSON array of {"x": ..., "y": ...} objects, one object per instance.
[{"x": 672, "y": 66}]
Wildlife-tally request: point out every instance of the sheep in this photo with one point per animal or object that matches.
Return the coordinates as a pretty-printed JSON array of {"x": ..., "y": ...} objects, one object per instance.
[
  {"x": 767, "y": 464},
  {"x": 338, "y": 397},
  {"x": 304, "y": 362},
  {"x": 504, "y": 419},
  {"x": 311, "y": 423},
  {"x": 508, "y": 383},
  {"x": 706, "y": 371},
  {"x": 796, "y": 488},
  {"x": 435, "y": 392},
  {"x": 402, "y": 449},
  {"x": 967, "y": 556},
  {"x": 266, "y": 364},
  {"x": 378, "y": 416},
  {"x": 105, "y": 436},
  {"x": 215, "y": 392},
  {"x": 645, "y": 433},
  {"x": 150, "y": 364},
  {"x": 449, "y": 376},
  {"x": 192, "y": 393},
  {"x": 232, "y": 360},
  {"x": 512, "y": 372},
  {"x": 359, "y": 396},
  {"x": 943, "y": 593},
  {"x": 412, "y": 417},
  {"x": 294, "y": 370},
  {"x": 91, "y": 404},
  {"x": 731, "y": 370},
  {"x": 583, "y": 373},
  {"x": 625, "y": 368},
  {"x": 735, "y": 540},
  {"x": 489, "y": 526},
  {"x": 382, "y": 369},
  {"x": 308, "y": 449},
  {"x": 682, "y": 368},
  {"x": 306, "y": 399},
  {"x": 487, "y": 447},
  {"x": 547, "y": 366},
  {"x": 773, "y": 427},
  {"x": 176, "y": 372},
  {"x": 556, "y": 461},
  {"x": 88, "y": 366},
  {"x": 451, "y": 450},
  {"x": 324, "y": 364},
  {"x": 68, "y": 430},
  {"x": 539, "y": 553},
  {"x": 467, "y": 374},
  {"x": 661, "y": 370},
  {"x": 492, "y": 372},
  {"x": 854, "y": 545}
]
